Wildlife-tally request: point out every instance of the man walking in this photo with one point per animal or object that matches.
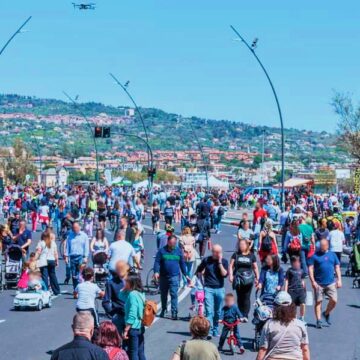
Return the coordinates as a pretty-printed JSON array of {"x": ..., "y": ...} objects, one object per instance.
[
  {"x": 321, "y": 271},
  {"x": 169, "y": 262},
  {"x": 76, "y": 251},
  {"x": 213, "y": 270}
]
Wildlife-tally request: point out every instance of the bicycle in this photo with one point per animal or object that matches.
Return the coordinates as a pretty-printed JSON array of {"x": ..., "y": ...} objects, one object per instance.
[
  {"x": 152, "y": 286},
  {"x": 231, "y": 338}
]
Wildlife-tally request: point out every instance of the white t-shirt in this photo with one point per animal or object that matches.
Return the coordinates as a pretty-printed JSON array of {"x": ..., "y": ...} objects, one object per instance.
[
  {"x": 87, "y": 293},
  {"x": 336, "y": 239},
  {"x": 44, "y": 210},
  {"x": 120, "y": 250}
]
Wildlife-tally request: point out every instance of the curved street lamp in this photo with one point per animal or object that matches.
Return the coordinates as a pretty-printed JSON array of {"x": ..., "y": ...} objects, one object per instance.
[
  {"x": 150, "y": 155},
  {"x": 202, "y": 154},
  {"x": 88, "y": 123},
  {"x": 252, "y": 50},
  {"x": 18, "y": 31}
]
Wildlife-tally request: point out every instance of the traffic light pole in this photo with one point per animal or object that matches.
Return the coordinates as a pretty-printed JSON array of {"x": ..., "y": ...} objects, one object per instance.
[{"x": 88, "y": 123}]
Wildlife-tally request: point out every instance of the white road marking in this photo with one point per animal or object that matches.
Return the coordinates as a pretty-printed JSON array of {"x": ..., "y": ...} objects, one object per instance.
[{"x": 2, "y": 321}]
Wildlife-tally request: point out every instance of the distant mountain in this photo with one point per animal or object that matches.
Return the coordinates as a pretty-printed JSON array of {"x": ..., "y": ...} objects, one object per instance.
[{"x": 62, "y": 127}]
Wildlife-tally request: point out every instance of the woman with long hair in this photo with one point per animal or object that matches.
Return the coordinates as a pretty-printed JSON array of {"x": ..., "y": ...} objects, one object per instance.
[
  {"x": 272, "y": 276},
  {"x": 155, "y": 217},
  {"x": 267, "y": 241},
  {"x": 187, "y": 245},
  {"x": 109, "y": 339},
  {"x": 99, "y": 242},
  {"x": 284, "y": 336},
  {"x": 48, "y": 260}
]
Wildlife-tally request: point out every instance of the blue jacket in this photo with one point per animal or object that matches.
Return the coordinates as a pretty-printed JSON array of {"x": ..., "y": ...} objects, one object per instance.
[
  {"x": 230, "y": 314},
  {"x": 169, "y": 263}
]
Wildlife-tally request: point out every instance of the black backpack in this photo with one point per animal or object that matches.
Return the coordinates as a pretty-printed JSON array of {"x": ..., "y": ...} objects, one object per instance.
[
  {"x": 221, "y": 211},
  {"x": 266, "y": 243}
]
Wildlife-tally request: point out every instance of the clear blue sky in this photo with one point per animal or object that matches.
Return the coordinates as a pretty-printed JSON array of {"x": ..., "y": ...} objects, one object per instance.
[{"x": 179, "y": 55}]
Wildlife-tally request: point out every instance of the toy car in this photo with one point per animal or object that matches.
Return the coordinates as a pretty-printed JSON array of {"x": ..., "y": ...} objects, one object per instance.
[{"x": 32, "y": 299}]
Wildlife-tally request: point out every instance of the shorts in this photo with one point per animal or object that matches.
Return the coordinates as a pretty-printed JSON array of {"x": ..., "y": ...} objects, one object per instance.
[
  {"x": 102, "y": 217},
  {"x": 329, "y": 291},
  {"x": 298, "y": 296}
]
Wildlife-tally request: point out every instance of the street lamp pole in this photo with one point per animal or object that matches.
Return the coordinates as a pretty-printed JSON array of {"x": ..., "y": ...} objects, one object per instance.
[
  {"x": 202, "y": 154},
  {"x": 18, "y": 31},
  {"x": 150, "y": 156},
  {"x": 88, "y": 123},
  {"x": 149, "y": 151},
  {"x": 252, "y": 50},
  {"x": 38, "y": 148}
]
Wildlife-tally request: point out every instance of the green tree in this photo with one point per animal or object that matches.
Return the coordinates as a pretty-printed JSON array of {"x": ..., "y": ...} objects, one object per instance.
[
  {"x": 348, "y": 124},
  {"x": 18, "y": 163}
]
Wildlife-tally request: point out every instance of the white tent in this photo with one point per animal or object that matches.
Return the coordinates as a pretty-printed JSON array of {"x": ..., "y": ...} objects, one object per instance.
[
  {"x": 117, "y": 180},
  {"x": 144, "y": 184},
  {"x": 216, "y": 183}
]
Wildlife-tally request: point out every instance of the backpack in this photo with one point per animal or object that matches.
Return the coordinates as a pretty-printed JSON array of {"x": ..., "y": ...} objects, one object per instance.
[
  {"x": 220, "y": 211},
  {"x": 150, "y": 310},
  {"x": 295, "y": 244},
  {"x": 266, "y": 243}
]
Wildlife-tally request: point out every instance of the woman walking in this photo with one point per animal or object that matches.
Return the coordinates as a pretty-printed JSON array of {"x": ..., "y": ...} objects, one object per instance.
[
  {"x": 155, "y": 217},
  {"x": 243, "y": 274},
  {"x": 187, "y": 244},
  {"x": 267, "y": 242},
  {"x": 48, "y": 260},
  {"x": 99, "y": 242}
]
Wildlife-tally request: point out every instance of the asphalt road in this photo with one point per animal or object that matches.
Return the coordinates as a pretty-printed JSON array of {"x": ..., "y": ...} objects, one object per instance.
[{"x": 33, "y": 335}]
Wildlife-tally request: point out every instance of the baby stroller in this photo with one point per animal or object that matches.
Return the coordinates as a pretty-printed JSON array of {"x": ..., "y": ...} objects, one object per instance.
[
  {"x": 353, "y": 269},
  {"x": 13, "y": 265},
  {"x": 100, "y": 269},
  {"x": 262, "y": 312}
]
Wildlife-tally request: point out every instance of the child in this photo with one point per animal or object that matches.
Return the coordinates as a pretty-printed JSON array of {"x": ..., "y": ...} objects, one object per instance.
[
  {"x": 86, "y": 293},
  {"x": 33, "y": 262},
  {"x": 24, "y": 277},
  {"x": 230, "y": 313},
  {"x": 197, "y": 293},
  {"x": 295, "y": 285},
  {"x": 36, "y": 282}
]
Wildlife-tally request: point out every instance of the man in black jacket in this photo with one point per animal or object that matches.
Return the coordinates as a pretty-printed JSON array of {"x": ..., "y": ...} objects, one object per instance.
[
  {"x": 81, "y": 347},
  {"x": 111, "y": 303}
]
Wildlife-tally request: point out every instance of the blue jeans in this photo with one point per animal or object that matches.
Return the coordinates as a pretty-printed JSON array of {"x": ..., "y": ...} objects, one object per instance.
[
  {"x": 303, "y": 260},
  {"x": 136, "y": 350},
  {"x": 224, "y": 335},
  {"x": 213, "y": 304},
  {"x": 188, "y": 266},
  {"x": 75, "y": 262},
  {"x": 169, "y": 284},
  {"x": 217, "y": 223}
]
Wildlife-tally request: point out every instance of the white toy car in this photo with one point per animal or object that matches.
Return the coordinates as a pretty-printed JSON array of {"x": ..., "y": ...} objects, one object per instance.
[{"x": 32, "y": 299}]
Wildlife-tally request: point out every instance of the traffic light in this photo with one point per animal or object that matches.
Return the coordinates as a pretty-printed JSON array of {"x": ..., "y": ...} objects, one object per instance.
[
  {"x": 98, "y": 132},
  {"x": 106, "y": 131},
  {"x": 102, "y": 132},
  {"x": 151, "y": 172}
]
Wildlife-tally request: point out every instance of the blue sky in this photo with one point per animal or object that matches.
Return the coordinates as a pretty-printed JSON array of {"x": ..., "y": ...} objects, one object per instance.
[{"x": 180, "y": 55}]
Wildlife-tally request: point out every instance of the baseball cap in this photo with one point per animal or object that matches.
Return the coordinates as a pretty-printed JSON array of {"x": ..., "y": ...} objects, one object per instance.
[{"x": 283, "y": 299}]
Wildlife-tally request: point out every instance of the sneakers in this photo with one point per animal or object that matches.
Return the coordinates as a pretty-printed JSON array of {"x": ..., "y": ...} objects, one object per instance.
[
  {"x": 162, "y": 314},
  {"x": 174, "y": 316},
  {"x": 244, "y": 319},
  {"x": 326, "y": 317},
  {"x": 241, "y": 350},
  {"x": 318, "y": 324}
]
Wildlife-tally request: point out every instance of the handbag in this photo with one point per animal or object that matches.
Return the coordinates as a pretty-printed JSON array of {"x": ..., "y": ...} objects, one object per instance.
[{"x": 244, "y": 278}]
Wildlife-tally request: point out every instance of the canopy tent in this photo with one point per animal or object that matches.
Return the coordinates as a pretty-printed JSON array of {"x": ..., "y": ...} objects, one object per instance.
[
  {"x": 216, "y": 183},
  {"x": 295, "y": 182},
  {"x": 145, "y": 184},
  {"x": 121, "y": 181}
]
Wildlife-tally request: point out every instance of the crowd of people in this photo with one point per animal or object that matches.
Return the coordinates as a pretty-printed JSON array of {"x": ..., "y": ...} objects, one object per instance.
[{"x": 312, "y": 229}]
